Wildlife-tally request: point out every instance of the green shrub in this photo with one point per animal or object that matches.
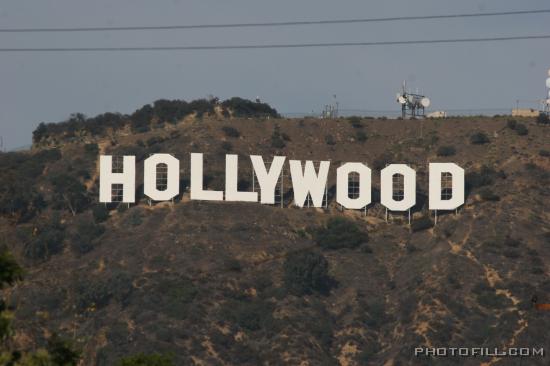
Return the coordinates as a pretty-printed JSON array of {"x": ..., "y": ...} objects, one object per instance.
[
  {"x": 543, "y": 119},
  {"x": 487, "y": 297},
  {"x": 361, "y": 136},
  {"x": 355, "y": 121},
  {"x": 226, "y": 146},
  {"x": 479, "y": 138},
  {"x": 511, "y": 124},
  {"x": 544, "y": 153},
  {"x": 381, "y": 161},
  {"x": 10, "y": 271},
  {"x": 141, "y": 359},
  {"x": 511, "y": 253},
  {"x": 45, "y": 240},
  {"x": 511, "y": 242},
  {"x": 92, "y": 293},
  {"x": 422, "y": 223},
  {"x": 329, "y": 139},
  {"x": 375, "y": 313},
  {"x": 521, "y": 129},
  {"x": 277, "y": 140},
  {"x": 84, "y": 235},
  {"x": 368, "y": 352},
  {"x": 174, "y": 297},
  {"x": 249, "y": 314},
  {"x": 305, "y": 272},
  {"x": 340, "y": 233},
  {"x": 232, "y": 264},
  {"x": 122, "y": 207},
  {"x": 446, "y": 151},
  {"x": 134, "y": 218},
  {"x": 62, "y": 351},
  {"x": 231, "y": 131},
  {"x": 487, "y": 194},
  {"x": 155, "y": 140},
  {"x": 100, "y": 213},
  {"x": 91, "y": 149},
  {"x": 485, "y": 176}
]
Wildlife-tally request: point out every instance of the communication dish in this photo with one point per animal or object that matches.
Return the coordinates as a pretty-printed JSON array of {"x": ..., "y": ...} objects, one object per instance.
[
  {"x": 402, "y": 99},
  {"x": 548, "y": 83},
  {"x": 425, "y": 102}
]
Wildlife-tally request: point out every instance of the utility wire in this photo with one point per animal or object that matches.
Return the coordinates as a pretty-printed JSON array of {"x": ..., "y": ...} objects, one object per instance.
[
  {"x": 271, "y": 24},
  {"x": 265, "y": 46}
]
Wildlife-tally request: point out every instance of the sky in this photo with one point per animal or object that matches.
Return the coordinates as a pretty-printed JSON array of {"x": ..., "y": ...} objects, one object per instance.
[{"x": 36, "y": 87}]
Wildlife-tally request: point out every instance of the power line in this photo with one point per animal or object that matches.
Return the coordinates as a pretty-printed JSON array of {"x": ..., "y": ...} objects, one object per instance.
[
  {"x": 266, "y": 46},
  {"x": 271, "y": 24}
]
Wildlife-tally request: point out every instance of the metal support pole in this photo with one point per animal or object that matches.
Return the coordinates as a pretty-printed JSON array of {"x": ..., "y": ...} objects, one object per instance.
[
  {"x": 282, "y": 185},
  {"x": 326, "y": 196}
]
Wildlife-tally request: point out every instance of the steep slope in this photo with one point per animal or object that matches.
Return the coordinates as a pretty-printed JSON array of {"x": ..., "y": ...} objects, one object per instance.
[{"x": 205, "y": 281}]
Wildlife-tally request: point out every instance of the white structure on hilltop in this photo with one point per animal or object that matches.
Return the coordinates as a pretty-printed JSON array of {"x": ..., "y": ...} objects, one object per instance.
[{"x": 412, "y": 104}]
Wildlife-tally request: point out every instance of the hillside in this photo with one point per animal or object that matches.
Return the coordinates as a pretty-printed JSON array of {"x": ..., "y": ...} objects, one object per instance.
[{"x": 211, "y": 283}]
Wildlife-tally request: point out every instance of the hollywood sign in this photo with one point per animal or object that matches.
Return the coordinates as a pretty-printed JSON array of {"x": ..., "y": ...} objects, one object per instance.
[{"x": 306, "y": 180}]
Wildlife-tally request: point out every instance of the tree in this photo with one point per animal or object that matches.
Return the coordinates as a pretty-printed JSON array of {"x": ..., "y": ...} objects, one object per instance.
[
  {"x": 40, "y": 133},
  {"x": 305, "y": 272},
  {"x": 58, "y": 352},
  {"x": 247, "y": 108},
  {"x": 45, "y": 240},
  {"x": 19, "y": 198},
  {"x": 10, "y": 271},
  {"x": 70, "y": 191},
  {"x": 62, "y": 352}
]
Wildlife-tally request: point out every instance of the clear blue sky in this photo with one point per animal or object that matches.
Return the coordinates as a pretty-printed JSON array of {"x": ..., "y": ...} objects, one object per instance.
[{"x": 48, "y": 87}]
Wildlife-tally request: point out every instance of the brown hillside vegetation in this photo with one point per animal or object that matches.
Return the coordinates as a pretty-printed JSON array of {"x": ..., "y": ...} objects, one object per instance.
[{"x": 223, "y": 283}]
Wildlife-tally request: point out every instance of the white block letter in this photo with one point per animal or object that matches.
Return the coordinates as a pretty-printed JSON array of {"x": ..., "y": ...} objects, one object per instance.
[
  {"x": 231, "y": 182},
  {"x": 268, "y": 180},
  {"x": 197, "y": 191},
  {"x": 342, "y": 182},
  {"x": 409, "y": 187},
  {"x": 457, "y": 199},
  {"x": 150, "y": 177},
  {"x": 308, "y": 181},
  {"x": 107, "y": 178}
]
